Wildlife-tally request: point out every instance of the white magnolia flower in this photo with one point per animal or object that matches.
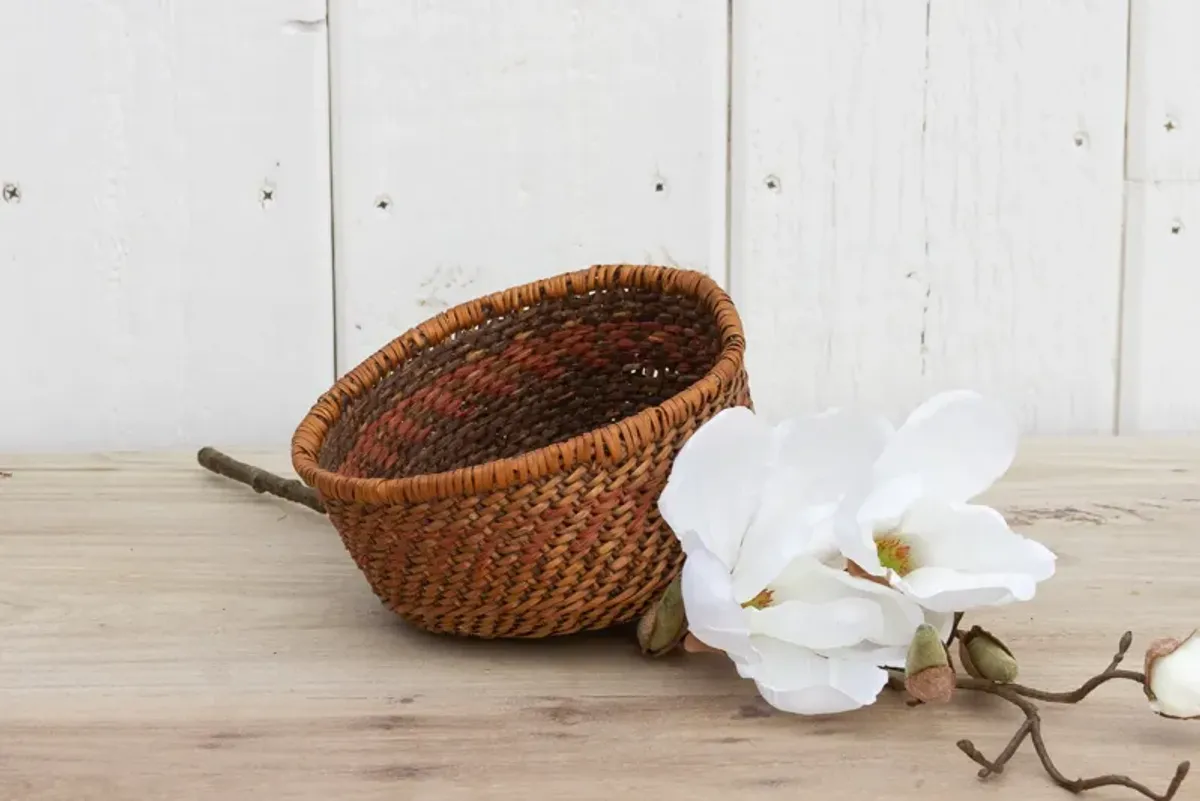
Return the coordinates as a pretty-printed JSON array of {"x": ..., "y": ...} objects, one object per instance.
[
  {"x": 910, "y": 523},
  {"x": 1173, "y": 677},
  {"x": 749, "y": 504}
]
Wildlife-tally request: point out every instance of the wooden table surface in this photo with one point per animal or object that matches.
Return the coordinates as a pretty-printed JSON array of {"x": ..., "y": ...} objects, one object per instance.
[{"x": 167, "y": 634}]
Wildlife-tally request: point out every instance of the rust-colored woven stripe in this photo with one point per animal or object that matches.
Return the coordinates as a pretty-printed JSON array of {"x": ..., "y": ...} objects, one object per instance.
[{"x": 495, "y": 471}]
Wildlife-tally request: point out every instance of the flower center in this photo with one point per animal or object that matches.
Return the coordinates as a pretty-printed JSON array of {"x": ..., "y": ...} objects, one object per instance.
[
  {"x": 760, "y": 601},
  {"x": 894, "y": 553}
]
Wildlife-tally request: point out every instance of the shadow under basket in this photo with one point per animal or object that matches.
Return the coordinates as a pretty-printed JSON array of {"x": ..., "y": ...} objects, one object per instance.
[{"x": 495, "y": 472}]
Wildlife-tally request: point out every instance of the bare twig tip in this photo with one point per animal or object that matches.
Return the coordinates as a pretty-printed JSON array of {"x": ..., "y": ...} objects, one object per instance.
[{"x": 258, "y": 479}]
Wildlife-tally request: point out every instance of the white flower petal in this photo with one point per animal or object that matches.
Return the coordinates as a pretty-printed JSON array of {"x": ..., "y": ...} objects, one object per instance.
[
  {"x": 781, "y": 531},
  {"x": 901, "y": 615},
  {"x": 822, "y": 608},
  {"x": 943, "y": 622},
  {"x": 869, "y": 508},
  {"x": 1175, "y": 681},
  {"x": 888, "y": 501},
  {"x": 817, "y": 459},
  {"x": 794, "y": 679},
  {"x": 892, "y": 656},
  {"x": 973, "y": 537},
  {"x": 807, "y": 579},
  {"x": 943, "y": 590},
  {"x": 854, "y": 535},
  {"x": 826, "y": 453},
  {"x": 713, "y": 616},
  {"x": 958, "y": 442},
  {"x": 833, "y": 624},
  {"x": 716, "y": 481},
  {"x": 969, "y": 555}
]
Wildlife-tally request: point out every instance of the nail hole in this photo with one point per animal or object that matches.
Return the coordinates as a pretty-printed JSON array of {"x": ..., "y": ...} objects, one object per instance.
[
  {"x": 1080, "y": 139},
  {"x": 659, "y": 186},
  {"x": 1177, "y": 227},
  {"x": 383, "y": 202},
  {"x": 1170, "y": 125},
  {"x": 772, "y": 183},
  {"x": 266, "y": 196},
  {"x": 11, "y": 193}
]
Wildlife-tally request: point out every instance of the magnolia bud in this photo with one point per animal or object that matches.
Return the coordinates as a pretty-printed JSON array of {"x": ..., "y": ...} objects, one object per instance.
[
  {"x": 663, "y": 627},
  {"x": 928, "y": 675},
  {"x": 984, "y": 656},
  {"x": 1173, "y": 677}
]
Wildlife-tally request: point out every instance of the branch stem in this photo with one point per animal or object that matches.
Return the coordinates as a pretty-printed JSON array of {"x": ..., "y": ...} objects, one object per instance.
[
  {"x": 259, "y": 480},
  {"x": 1081, "y": 692},
  {"x": 1031, "y": 728}
]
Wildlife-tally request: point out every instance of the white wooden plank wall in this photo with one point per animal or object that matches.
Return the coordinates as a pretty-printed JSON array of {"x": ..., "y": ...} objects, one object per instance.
[
  {"x": 481, "y": 145},
  {"x": 164, "y": 230},
  {"x": 929, "y": 195},
  {"x": 1161, "y": 375},
  {"x": 912, "y": 195}
]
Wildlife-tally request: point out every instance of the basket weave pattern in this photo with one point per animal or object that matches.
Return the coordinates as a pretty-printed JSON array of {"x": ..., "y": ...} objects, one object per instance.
[{"x": 495, "y": 471}]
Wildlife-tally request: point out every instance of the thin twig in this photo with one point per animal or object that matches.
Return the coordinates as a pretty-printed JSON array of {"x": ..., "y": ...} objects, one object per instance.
[
  {"x": 1109, "y": 780},
  {"x": 1031, "y": 727},
  {"x": 958, "y": 616},
  {"x": 259, "y": 480},
  {"x": 1122, "y": 649},
  {"x": 1081, "y": 692},
  {"x": 990, "y": 767},
  {"x": 1084, "y": 690}
]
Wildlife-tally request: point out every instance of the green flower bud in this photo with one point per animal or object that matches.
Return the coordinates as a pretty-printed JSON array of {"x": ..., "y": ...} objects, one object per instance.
[
  {"x": 985, "y": 657},
  {"x": 928, "y": 675},
  {"x": 664, "y": 626}
]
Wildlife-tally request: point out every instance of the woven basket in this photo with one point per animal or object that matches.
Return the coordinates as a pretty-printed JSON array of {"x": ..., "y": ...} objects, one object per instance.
[{"x": 495, "y": 471}]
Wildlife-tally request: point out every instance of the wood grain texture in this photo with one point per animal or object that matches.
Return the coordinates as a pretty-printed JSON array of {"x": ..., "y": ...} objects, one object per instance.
[
  {"x": 1160, "y": 388},
  {"x": 1164, "y": 105},
  {"x": 1160, "y": 391},
  {"x": 165, "y": 260},
  {"x": 929, "y": 195},
  {"x": 165, "y": 634},
  {"x": 481, "y": 145}
]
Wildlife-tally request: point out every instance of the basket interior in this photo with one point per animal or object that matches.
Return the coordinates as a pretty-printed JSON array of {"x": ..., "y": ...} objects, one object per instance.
[{"x": 524, "y": 380}]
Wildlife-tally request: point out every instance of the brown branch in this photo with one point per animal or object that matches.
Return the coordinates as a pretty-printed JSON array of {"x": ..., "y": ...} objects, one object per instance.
[
  {"x": 259, "y": 480},
  {"x": 997, "y": 766},
  {"x": 1122, "y": 649},
  {"x": 958, "y": 616},
  {"x": 1081, "y": 692},
  {"x": 1031, "y": 728},
  {"x": 1084, "y": 690},
  {"x": 1109, "y": 780}
]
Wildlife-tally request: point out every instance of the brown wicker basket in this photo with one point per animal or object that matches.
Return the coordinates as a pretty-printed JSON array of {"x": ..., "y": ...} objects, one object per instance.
[{"x": 495, "y": 471}]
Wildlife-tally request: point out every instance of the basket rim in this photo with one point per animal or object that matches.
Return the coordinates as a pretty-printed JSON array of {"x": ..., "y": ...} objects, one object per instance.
[{"x": 607, "y": 445}]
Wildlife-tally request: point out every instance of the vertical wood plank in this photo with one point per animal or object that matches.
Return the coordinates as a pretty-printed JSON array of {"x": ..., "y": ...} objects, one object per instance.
[
  {"x": 481, "y": 145},
  {"x": 928, "y": 195},
  {"x": 1160, "y": 389},
  {"x": 1160, "y": 386},
  {"x": 826, "y": 198},
  {"x": 1164, "y": 101},
  {"x": 165, "y": 263}
]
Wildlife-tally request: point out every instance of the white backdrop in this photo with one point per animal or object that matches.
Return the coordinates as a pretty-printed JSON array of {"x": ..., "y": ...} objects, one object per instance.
[{"x": 209, "y": 209}]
